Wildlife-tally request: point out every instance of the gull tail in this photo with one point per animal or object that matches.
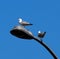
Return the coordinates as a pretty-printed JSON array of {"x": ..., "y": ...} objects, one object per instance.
[{"x": 30, "y": 24}]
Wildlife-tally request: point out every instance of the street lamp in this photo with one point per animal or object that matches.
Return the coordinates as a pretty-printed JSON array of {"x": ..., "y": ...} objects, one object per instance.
[{"x": 21, "y": 32}]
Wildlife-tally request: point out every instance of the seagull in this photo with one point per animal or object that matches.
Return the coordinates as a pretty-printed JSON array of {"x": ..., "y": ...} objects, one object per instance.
[
  {"x": 41, "y": 34},
  {"x": 23, "y": 23}
]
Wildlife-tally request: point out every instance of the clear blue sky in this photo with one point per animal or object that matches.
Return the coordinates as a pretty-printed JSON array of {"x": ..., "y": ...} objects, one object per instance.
[{"x": 44, "y": 14}]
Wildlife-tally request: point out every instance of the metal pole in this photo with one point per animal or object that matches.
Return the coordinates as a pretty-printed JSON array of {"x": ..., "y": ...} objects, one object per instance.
[{"x": 48, "y": 49}]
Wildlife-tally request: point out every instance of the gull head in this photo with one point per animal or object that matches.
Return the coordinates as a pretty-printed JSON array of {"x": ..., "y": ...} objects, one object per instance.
[
  {"x": 20, "y": 20},
  {"x": 39, "y": 31}
]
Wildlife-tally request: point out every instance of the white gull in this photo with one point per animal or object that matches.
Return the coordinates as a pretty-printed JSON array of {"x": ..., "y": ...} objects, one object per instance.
[{"x": 23, "y": 23}]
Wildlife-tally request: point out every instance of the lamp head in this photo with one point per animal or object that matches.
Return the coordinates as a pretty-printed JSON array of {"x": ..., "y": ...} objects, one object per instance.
[{"x": 21, "y": 32}]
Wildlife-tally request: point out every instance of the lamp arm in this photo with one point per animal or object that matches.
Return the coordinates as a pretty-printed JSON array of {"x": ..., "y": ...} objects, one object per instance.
[{"x": 48, "y": 49}]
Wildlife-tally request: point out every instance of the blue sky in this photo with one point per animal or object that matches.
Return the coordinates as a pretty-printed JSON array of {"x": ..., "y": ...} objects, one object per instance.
[{"x": 44, "y": 14}]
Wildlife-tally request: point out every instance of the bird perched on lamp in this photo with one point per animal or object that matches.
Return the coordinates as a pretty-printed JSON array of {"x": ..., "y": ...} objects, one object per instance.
[
  {"x": 24, "y": 23},
  {"x": 41, "y": 34}
]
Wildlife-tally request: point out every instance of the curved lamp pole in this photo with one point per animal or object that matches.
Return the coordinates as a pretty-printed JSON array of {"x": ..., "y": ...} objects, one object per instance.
[
  {"x": 21, "y": 32},
  {"x": 48, "y": 49}
]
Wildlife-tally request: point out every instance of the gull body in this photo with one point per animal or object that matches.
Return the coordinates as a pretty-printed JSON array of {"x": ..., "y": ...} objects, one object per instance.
[{"x": 23, "y": 23}]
